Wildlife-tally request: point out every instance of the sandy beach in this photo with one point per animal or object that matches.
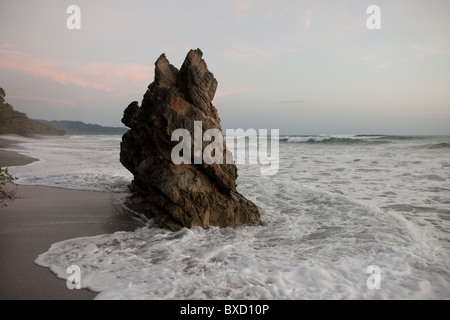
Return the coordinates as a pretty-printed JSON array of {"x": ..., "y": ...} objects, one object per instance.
[
  {"x": 10, "y": 158},
  {"x": 41, "y": 216}
]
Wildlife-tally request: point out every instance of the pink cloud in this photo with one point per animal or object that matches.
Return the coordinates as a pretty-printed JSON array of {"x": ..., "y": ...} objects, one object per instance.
[
  {"x": 307, "y": 22},
  {"x": 69, "y": 104},
  {"x": 10, "y": 46},
  {"x": 242, "y": 7},
  {"x": 108, "y": 77},
  {"x": 241, "y": 51},
  {"x": 231, "y": 91},
  {"x": 384, "y": 66},
  {"x": 308, "y": 19},
  {"x": 115, "y": 72},
  {"x": 244, "y": 51},
  {"x": 436, "y": 47},
  {"x": 10, "y": 52}
]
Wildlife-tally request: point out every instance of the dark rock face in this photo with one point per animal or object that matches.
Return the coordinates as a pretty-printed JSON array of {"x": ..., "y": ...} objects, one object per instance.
[{"x": 186, "y": 194}]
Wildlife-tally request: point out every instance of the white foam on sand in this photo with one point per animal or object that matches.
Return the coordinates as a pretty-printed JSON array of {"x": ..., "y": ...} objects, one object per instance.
[
  {"x": 75, "y": 162},
  {"x": 319, "y": 249},
  {"x": 330, "y": 212}
]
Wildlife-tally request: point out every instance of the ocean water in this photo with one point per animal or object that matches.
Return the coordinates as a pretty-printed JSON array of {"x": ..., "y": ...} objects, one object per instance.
[
  {"x": 74, "y": 162},
  {"x": 338, "y": 206}
]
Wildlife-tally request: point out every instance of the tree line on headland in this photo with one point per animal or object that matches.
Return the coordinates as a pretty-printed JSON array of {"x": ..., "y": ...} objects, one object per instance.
[{"x": 15, "y": 122}]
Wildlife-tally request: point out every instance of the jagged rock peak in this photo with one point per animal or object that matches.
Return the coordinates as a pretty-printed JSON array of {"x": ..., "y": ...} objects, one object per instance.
[
  {"x": 185, "y": 194},
  {"x": 165, "y": 73}
]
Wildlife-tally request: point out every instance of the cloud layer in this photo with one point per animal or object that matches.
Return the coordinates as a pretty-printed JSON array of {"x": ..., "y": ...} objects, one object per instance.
[{"x": 113, "y": 78}]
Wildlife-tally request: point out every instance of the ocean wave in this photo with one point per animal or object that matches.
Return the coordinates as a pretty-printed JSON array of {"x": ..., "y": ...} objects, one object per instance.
[
  {"x": 338, "y": 139},
  {"x": 326, "y": 242},
  {"x": 443, "y": 145},
  {"x": 389, "y": 137},
  {"x": 88, "y": 181},
  {"x": 327, "y": 216},
  {"x": 75, "y": 162},
  {"x": 348, "y": 139}
]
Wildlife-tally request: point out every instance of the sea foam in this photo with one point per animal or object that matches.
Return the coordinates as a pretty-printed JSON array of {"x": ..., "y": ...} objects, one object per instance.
[
  {"x": 320, "y": 250},
  {"x": 75, "y": 162},
  {"x": 331, "y": 211}
]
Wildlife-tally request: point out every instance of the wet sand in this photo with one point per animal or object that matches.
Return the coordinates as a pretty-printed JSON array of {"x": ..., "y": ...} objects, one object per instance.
[
  {"x": 37, "y": 218},
  {"x": 41, "y": 216},
  {"x": 10, "y": 158}
]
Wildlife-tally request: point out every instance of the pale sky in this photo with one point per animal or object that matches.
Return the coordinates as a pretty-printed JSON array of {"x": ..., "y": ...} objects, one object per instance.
[{"x": 304, "y": 67}]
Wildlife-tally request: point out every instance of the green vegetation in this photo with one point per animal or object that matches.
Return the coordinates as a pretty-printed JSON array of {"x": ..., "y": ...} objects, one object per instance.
[
  {"x": 7, "y": 189},
  {"x": 78, "y": 127},
  {"x": 15, "y": 122}
]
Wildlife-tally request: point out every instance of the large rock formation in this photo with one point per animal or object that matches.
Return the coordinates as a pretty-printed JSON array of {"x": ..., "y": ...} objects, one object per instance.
[{"x": 180, "y": 195}]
